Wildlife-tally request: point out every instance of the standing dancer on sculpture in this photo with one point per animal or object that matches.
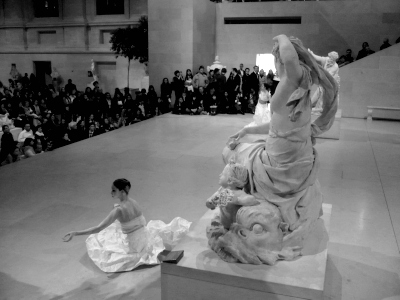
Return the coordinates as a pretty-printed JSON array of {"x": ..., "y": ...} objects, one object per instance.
[
  {"x": 329, "y": 64},
  {"x": 283, "y": 169}
]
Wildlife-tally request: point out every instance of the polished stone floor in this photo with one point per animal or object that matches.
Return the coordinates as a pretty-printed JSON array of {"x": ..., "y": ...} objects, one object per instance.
[{"x": 173, "y": 163}]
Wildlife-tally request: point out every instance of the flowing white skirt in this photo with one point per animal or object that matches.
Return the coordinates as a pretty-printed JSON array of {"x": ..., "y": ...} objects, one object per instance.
[
  {"x": 114, "y": 251},
  {"x": 262, "y": 115}
]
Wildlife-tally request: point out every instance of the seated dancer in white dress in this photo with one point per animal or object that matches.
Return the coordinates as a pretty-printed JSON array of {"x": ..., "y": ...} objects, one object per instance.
[
  {"x": 122, "y": 241},
  {"x": 262, "y": 113}
]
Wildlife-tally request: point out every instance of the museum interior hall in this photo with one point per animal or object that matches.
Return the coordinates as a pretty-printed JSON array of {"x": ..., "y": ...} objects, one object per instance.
[{"x": 283, "y": 113}]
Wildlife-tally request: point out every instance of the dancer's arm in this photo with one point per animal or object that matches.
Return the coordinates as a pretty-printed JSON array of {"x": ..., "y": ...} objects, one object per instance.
[
  {"x": 260, "y": 129},
  {"x": 289, "y": 58},
  {"x": 112, "y": 216},
  {"x": 321, "y": 60}
]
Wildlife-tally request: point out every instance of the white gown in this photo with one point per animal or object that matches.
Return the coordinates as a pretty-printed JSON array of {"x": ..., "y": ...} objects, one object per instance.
[
  {"x": 262, "y": 113},
  {"x": 125, "y": 246}
]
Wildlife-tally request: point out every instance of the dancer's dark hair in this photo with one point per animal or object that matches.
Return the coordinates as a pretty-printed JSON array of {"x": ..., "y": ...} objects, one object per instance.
[{"x": 122, "y": 184}]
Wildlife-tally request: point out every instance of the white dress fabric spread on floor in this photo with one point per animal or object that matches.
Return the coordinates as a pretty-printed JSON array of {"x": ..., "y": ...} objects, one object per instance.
[
  {"x": 262, "y": 114},
  {"x": 124, "y": 247}
]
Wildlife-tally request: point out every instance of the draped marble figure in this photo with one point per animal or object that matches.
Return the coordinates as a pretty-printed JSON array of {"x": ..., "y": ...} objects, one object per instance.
[{"x": 282, "y": 170}]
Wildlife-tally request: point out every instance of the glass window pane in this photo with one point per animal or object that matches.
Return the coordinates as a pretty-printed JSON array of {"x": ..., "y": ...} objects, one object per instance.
[
  {"x": 46, "y": 8},
  {"x": 110, "y": 7}
]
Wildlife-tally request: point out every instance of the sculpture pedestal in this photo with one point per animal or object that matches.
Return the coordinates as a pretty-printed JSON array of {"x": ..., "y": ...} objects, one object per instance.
[
  {"x": 202, "y": 275},
  {"x": 334, "y": 131}
]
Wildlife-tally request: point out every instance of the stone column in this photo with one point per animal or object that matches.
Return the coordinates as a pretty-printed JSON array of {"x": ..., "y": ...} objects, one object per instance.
[{"x": 181, "y": 36}]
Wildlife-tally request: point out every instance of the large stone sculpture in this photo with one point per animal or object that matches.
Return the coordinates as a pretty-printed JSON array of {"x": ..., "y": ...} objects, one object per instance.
[{"x": 282, "y": 170}]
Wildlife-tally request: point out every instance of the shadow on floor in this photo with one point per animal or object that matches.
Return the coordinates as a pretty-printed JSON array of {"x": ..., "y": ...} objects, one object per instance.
[
  {"x": 115, "y": 288},
  {"x": 362, "y": 281},
  {"x": 14, "y": 289}
]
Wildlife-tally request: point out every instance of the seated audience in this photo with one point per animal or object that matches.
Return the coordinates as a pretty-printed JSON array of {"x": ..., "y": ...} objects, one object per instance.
[
  {"x": 118, "y": 121},
  {"x": 213, "y": 102},
  {"x": 65, "y": 140},
  {"x": 202, "y": 108},
  {"x": 39, "y": 148},
  {"x": 7, "y": 143},
  {"x": 348, "y": 58},
  {"x": 107, "y": 126},
  {"x": 81, "y": 130},
  {"x": 385, "y": 44},
  {"x": 98, "y": 127},
  {"x": 224, "y": 103},
  {"x": 202, "y": 98},
  {"x": 143, "y": 110},
  {"x": 192, "y": 106},
  {"x": 179, "y": 107},
  {"x": 54, "y": 115},
  {"x": 92, "y": 132},
  {"x": 26, "y": 133},
  {"x": 28, "y": 147},
  {"x": 237, "y": 105},
  {"x": 40, "y": 136},
  {"x": 14, "y": 156},
  {"x": 365, "y": 51},
  {"x": 5, "y": 116}
]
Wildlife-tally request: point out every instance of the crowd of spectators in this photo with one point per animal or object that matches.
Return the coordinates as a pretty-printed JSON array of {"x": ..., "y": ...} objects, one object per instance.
[
  {"x": 347, "y": 58},
  {"x": 52, "y": 116},
  {"x": 216, "y": 93},
  {"x": 219, "y": 1}
]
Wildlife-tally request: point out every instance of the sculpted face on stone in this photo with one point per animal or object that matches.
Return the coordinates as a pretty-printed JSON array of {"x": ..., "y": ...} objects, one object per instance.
[
  {"x": 261, "y": 226},
  {"x": 256, "y": 238}
]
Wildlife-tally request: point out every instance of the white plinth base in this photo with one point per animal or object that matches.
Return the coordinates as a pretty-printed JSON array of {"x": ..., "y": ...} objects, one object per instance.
[
  {"x": 202, "y": 275},
  {"x": 334, "y": 131}
]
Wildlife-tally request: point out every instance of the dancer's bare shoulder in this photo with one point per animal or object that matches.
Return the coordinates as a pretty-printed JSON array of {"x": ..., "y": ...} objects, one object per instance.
[{"x": 130, "y": 209}]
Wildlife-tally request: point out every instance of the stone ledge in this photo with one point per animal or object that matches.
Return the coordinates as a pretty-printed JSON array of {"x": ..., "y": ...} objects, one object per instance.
[{"x": 202, "y": 275}]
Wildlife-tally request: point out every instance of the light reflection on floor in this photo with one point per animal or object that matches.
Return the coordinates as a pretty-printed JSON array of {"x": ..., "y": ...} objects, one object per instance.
[{"x": 173, "y": 163}]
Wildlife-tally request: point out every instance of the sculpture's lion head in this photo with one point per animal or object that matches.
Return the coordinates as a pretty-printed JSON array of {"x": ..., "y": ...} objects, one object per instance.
[{"x": 256, "y": 238}]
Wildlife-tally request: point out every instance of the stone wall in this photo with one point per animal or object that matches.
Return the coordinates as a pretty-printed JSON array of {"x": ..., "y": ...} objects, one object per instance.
[
  {"x": 181, "y": 36},
  {"x": 69, "y": 42},
  {"x": 325, "y": 26},
  {"x": 373, "y": 80}
]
